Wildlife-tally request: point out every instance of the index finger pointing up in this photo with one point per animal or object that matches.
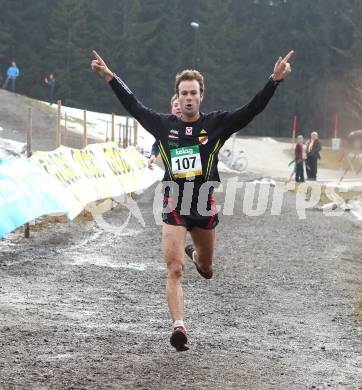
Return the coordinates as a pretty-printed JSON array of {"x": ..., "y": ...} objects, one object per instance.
[
  {"x": 98, "y": 57},
  {"x": 287, "y": 57}
]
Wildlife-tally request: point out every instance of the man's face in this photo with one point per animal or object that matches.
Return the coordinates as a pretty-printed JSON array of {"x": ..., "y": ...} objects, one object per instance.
[
  {"x": 176, "y": 109},
  {"x": 189, "y": 97}
]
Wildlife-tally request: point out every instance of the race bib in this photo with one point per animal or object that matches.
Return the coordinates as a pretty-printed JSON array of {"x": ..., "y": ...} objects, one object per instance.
[{"x": 186, "y": 162}]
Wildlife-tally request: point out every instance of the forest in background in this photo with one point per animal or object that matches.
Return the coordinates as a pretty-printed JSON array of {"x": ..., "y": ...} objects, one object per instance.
[{"x": 146, "y": 42}]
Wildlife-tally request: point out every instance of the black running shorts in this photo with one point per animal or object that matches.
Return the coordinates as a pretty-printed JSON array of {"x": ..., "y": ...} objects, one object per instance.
[{"x": 194, "y": 219}]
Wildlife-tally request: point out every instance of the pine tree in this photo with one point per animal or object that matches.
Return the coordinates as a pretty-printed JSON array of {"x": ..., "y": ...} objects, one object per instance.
[
  {"x": 67, "y": 57},
  {"x": 238, "y": 42}
]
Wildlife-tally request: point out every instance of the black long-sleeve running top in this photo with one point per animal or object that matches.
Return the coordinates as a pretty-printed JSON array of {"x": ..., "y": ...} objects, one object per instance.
[{"x": 190, "y": 150}]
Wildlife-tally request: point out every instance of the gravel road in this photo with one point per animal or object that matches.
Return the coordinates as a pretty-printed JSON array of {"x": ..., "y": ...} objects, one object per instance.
[{"x": 82, "y": 308}]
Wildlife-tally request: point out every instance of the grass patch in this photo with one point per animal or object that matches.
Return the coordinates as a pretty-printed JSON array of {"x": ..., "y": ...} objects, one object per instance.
[
  {"x": 345, "y": 195},
  {"x": 324, "y": 198},
  {"x": 41, "y": 106},
  {"x": 336, "y": 159},
  {"x": 50, "y": 110}
]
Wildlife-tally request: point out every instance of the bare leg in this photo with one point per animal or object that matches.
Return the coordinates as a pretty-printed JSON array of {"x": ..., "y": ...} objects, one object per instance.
[
  {"x": 204, "y": 243},
  {"x": 173, "y": 238}
]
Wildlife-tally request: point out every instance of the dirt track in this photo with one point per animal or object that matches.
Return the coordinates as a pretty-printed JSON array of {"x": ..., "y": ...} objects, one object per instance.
[
  {"x": 14, "y": 121},
  {"x": 83, "y": 309}
]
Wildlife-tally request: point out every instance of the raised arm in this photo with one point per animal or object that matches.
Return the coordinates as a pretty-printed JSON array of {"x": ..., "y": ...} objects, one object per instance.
[
  {"x": 238, "y": 119},
  {"x": 148, "y": 118}
]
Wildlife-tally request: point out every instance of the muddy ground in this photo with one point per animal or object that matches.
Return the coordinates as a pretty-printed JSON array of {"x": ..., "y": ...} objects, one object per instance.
[
  {"x": 14, "y": 121},
  {"x": 82, "y": 308}
]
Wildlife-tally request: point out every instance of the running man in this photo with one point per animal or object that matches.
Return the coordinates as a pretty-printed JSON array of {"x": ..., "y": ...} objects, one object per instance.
[
  {"x": 189, "y": 148},
  {"x": 155, "y": 151}
]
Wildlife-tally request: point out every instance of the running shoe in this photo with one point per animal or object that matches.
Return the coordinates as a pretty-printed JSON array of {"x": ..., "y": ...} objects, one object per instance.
[
  {"x": 178, "y": 339},
  {"x": 191, "y": 253}
]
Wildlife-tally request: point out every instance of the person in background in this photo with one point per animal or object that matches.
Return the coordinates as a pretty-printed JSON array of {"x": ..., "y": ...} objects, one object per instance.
[
  {"x": 313, "y": 148},
  {"x": 299, "y": 159},
  {"x": 175, "y": 110},
  {"x": 50, "y": 82},
  {"x": 12, "y": 74}
]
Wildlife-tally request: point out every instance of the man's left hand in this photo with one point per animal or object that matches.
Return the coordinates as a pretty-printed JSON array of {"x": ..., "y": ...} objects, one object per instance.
[{"x": 151, "y": 161}]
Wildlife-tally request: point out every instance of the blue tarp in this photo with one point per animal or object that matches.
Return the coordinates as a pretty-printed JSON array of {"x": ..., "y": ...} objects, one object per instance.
[{"x": 26, "y": 193}]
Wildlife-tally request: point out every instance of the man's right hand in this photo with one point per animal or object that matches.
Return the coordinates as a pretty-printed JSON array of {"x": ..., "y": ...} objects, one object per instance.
[
  {"x": 151, "y": 161},
  {"x": 99, "y": 66},
  {"x": 282, "y": 67}
]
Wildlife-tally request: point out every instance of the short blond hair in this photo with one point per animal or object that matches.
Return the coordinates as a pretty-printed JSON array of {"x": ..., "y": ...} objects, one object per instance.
[
  {"x": 189, "y": 75},
  {"x": 174, "y": 97}
]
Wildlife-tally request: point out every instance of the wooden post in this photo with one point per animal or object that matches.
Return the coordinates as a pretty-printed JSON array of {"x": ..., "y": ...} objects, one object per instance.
[
  {"x": 124, "y": 145},
  {"x": 127, "y": 132},
  {"x": 130, "y": 135},
  {"x": 28, "y": 154},
  {"x": 85, "y": 130},
  {"x": 58, "y": 138},
  {"x": 135, "y": 131},
  {"x": 65, "y": 130},
  {"x": 121, "y": 136},
  {"x": 113, "y": 127},
  {"x": 336, "y": 122},
  {"x": 29, "y": 133}
]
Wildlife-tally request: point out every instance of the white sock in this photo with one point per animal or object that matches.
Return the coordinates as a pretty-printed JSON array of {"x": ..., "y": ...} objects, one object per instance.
[
  {"x": 194, "y": 256},
  {"x": 178, "y": 323}
]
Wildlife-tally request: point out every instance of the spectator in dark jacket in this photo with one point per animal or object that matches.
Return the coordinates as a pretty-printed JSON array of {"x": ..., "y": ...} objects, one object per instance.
[
  {"x": 50, "y": 82},
  {"x": 313, "y": 148}
]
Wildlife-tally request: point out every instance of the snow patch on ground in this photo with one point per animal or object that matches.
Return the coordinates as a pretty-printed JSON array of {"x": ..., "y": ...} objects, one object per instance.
[
  {"x": 10, "y": 148},
  {"x": 99, "y": 125}
]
